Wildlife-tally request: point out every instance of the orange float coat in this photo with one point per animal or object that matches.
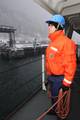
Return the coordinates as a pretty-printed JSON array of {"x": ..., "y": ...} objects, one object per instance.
[{"x": 61, "y": 57}]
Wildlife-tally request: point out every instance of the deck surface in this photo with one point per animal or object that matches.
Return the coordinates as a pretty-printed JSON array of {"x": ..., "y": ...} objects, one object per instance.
[{"x": 40, "y": 103}]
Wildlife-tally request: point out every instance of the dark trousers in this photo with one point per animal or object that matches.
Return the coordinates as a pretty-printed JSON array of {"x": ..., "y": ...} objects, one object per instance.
[{"x": 55, "y": 83}]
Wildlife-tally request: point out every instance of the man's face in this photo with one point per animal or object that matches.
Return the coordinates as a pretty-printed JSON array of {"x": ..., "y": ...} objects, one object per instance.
[{"x": 51, "y": 28}]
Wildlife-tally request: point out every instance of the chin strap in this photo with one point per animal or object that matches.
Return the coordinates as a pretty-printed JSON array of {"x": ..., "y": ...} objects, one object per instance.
[{"x": 57, "y": 26}]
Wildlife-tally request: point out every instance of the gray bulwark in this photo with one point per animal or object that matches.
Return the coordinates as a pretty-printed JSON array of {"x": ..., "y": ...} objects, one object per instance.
[{"x": 19, "y": 81}]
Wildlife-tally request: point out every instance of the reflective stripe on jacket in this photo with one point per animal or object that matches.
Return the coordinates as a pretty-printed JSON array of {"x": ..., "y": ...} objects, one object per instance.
[{"x": 61, "y": 57}]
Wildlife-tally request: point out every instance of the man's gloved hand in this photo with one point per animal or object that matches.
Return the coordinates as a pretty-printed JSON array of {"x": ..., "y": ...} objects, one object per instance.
[{"x": 65, "y": 88}]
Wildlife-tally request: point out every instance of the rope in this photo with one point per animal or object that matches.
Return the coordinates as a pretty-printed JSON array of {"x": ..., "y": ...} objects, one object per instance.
[
  {"x": 58, "y": 101},
  {"x": 63, "y": 106}
]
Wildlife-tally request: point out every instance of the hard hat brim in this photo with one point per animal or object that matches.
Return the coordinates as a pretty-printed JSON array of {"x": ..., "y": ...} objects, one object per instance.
[{"x": 49, "y": 21}]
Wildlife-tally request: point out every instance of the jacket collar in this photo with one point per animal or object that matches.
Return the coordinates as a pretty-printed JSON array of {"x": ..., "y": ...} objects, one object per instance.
[{"x": 55, "y": 35}]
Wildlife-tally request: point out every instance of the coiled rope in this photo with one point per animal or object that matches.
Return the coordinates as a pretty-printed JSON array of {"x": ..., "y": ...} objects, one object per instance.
[{"x": 62, "y": 105}]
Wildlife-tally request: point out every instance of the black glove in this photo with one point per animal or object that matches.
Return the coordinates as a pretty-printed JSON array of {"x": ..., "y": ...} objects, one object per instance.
[{"x": 65, "y": 88}]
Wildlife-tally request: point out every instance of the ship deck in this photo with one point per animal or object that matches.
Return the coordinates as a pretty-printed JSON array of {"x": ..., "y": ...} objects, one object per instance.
[{"x": 40, "y": 103}]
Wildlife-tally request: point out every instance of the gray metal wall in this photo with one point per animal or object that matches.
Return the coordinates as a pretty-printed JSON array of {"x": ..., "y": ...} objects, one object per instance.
[{"x": 19, "y": 81}]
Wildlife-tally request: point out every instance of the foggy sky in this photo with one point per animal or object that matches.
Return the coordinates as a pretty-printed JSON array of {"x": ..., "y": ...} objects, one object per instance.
[{"x": 30, "y": 8}]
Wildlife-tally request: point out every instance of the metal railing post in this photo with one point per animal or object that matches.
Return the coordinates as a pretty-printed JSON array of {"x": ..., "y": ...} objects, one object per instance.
[{"x": 43, "y": 73}]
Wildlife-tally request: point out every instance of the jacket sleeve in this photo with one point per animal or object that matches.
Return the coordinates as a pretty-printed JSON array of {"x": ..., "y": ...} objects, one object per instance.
[{"x": 69, "y": 62}]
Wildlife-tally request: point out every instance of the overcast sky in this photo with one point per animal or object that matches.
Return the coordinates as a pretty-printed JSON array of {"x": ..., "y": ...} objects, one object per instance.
[{"x": 30, "y": 8}]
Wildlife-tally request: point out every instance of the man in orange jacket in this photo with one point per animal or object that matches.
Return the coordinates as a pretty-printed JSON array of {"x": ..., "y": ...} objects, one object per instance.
[{"x": 60, "y": 56}]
